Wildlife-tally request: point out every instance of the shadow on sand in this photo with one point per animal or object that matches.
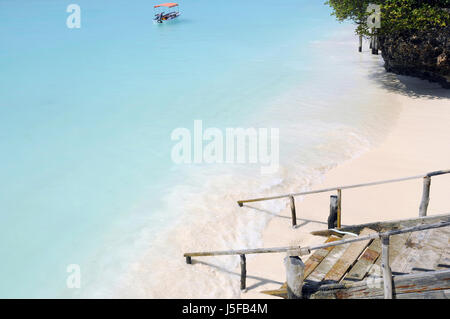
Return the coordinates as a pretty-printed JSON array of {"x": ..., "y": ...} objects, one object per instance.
[
  {"x": 303, "y": 221},
  {"x": 261, "y": 281},
  {"x": 407, "y": 85}
]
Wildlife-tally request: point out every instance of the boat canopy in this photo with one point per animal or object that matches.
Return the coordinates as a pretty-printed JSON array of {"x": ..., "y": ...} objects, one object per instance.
[{"x": 168, "y": 5}]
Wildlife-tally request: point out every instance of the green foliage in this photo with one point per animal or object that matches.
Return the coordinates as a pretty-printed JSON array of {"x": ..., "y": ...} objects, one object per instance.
[
  {"x": 400, "y": 15},
  {"x": 349, "y": 9},
  {"x": 396, "y": 15},
  {"x": 353, "y": 10}
]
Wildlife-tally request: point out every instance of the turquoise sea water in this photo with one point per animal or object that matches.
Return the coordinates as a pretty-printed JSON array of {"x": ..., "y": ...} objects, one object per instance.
[{"x": 86, "y": 116}]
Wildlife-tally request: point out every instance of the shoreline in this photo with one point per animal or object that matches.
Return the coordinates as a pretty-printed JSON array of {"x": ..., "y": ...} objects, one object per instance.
[
  {"x": 206, "y": 200},
  {"x": 417, "y": 143},
  {"x": 369, "y": 102}
]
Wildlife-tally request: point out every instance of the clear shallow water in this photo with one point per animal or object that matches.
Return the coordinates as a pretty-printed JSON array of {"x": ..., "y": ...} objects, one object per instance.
[{"x": 86, "y": 117}]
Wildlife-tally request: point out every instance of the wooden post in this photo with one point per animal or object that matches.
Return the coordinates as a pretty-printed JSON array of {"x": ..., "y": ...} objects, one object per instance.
[
  {"x": 360, "y": 43},
  {"x": 295, "y": 269},
  {"x": 374, "y": 42},
  {"x": 339, "y": 199},
  {"x": 243, "y": 272},
  {"x": 387, "y": 273},
  {"x": 293, "y": 213},
  {"x": 377, "y": 42},
  {"x": 332, "y": 218},
  {"x": 425, "y": 197},
  {"x": 188, "y": 260}
]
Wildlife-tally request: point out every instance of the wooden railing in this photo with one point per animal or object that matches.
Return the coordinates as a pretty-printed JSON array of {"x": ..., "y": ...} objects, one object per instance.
[
  {"x": 334, "y": 219},
  {"x": 294, "y": 265}
]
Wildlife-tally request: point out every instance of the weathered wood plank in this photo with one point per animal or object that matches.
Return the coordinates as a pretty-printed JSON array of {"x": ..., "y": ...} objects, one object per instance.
[
  {"x": 365, "y": 262},
  {"x": 379, "y": 226},
  {"x": 444, "y": 261},
  {"x": 316, "y": 258},
  {"x": 348, "y": 258},
  {"x": 327, "y": 263},
  {"x": 282, "y": 292},
  {"x": 402, "y": 264},
  {"x": 431, "y": 294},
  {"x": 423, "y": 251},
  {"x": 397, "y": 244},
  {"x": 419, "y": 283},
  {"x": 432, "y": 251}
]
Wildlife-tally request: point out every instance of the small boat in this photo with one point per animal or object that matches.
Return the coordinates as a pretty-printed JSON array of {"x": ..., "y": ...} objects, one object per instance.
[{"x": 162, "y": 16}]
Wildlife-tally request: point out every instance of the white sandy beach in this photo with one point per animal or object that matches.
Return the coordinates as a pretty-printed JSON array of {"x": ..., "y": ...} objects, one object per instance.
[
  {"x": 401, "y": 129},
  {"x": 418, "y": 143}
]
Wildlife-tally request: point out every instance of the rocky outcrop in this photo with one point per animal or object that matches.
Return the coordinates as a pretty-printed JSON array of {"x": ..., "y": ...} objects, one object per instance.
[{"x": 424, "y": 54}]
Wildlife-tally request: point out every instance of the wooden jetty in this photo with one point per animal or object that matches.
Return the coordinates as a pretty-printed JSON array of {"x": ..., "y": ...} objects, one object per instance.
[
  {"x": 407, "y": 258},
  {"x": 417, "y": 263}
]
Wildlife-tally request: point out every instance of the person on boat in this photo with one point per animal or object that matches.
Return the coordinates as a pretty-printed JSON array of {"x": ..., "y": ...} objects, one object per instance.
[{"x": 159, "y": 17}]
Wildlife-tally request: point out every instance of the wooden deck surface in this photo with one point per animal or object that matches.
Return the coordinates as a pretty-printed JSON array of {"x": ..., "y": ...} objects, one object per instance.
[{"x": 420, "y": 263}]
